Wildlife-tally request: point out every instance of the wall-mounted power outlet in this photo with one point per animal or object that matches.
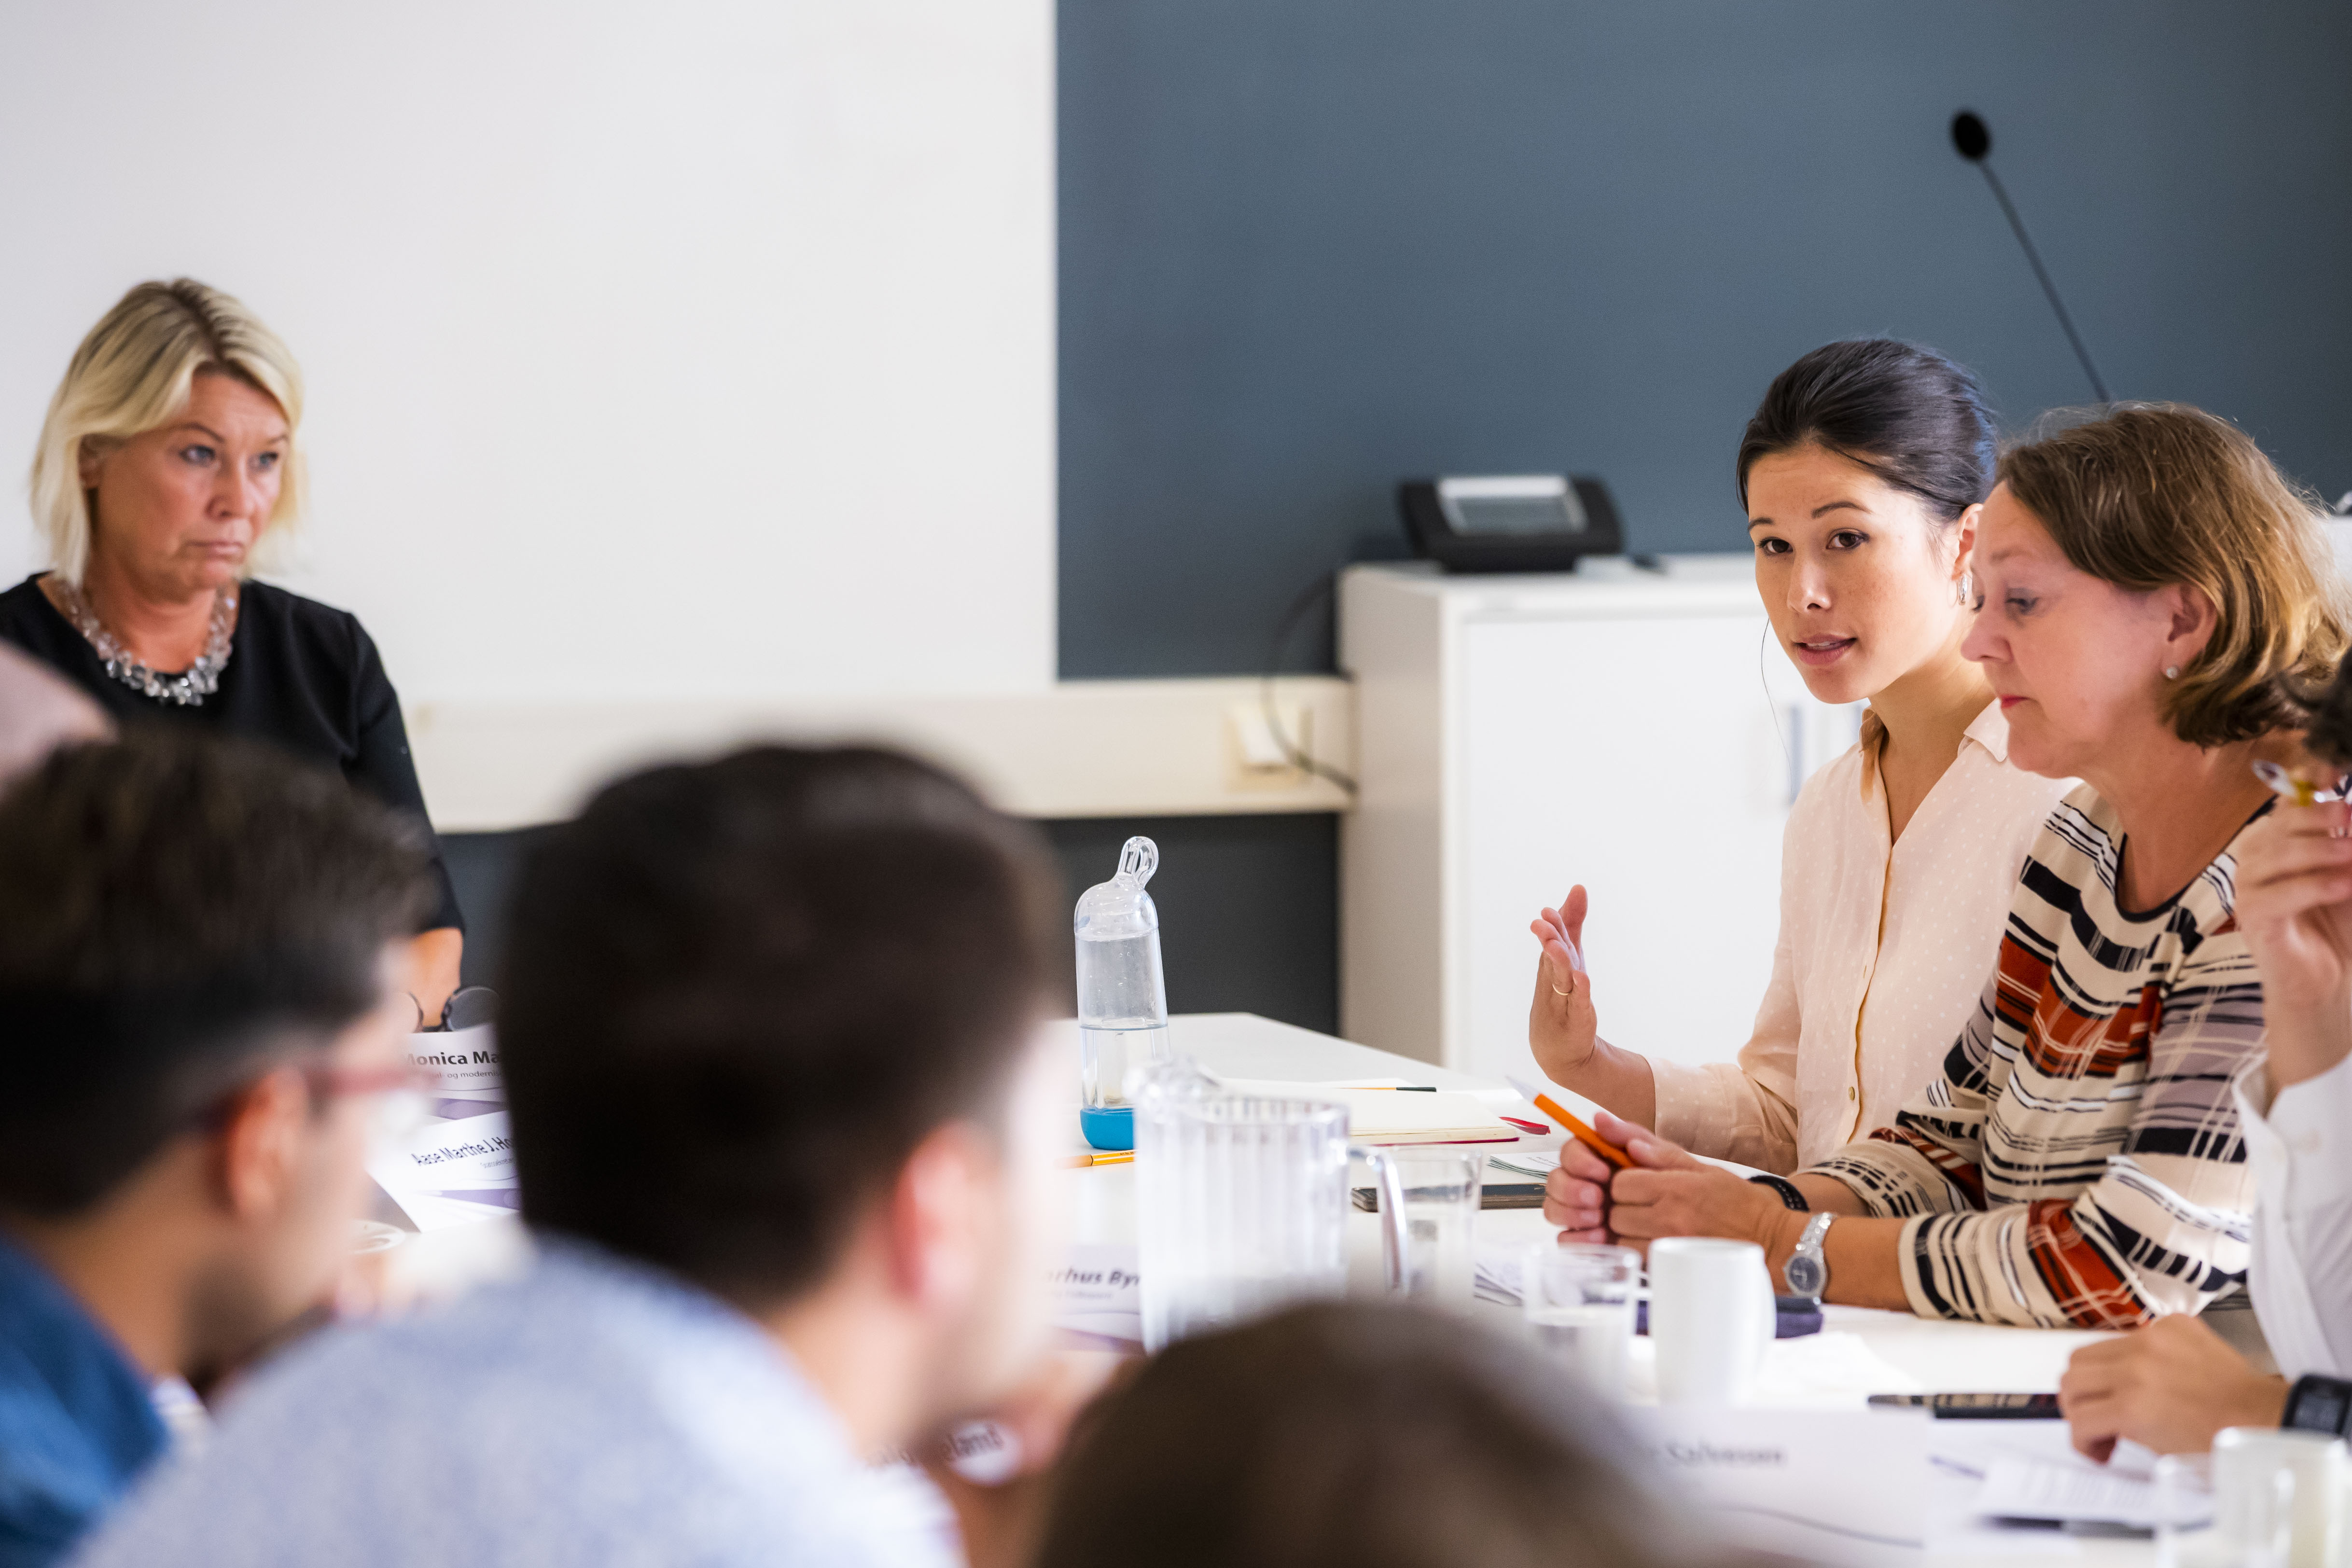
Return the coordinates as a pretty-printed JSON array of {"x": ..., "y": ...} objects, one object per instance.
[{"x": 1254, "y": 757}]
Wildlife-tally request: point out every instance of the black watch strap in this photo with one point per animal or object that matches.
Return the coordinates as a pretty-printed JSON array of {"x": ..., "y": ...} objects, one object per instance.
[
  {"x": 2317, "y": 1403},
  {"x": 1787, "y": 1189}
]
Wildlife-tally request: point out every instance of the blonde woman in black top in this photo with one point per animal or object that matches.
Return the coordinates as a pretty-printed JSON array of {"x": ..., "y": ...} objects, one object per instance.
[{"x": 168, "y": 460}]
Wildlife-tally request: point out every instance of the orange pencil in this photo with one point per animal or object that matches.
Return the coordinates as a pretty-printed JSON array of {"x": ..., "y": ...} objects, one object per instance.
[
  {"x": 1107, "y": 1158},
  {"x": 1582, "y": 1134}
]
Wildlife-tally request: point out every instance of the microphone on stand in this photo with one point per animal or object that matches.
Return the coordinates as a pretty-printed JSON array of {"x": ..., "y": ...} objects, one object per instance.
[{"x": 1972, "y": 139}]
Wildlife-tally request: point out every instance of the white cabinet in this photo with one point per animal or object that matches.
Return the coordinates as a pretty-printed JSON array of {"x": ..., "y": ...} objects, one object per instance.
[{"x": 1635, "y": 731}]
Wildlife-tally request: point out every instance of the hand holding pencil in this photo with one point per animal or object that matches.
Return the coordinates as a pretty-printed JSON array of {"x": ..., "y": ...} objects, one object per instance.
[
  {"x": 1628, "y": 1187},
  {"x": 1569, "y": 1123},
  {"x": 1576, "y": 1195},
  {"x": 1578, "y": 1190}
]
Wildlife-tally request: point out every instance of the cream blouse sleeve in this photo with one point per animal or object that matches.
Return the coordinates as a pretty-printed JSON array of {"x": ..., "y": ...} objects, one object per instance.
[{"x": 1744, "y": 1111}]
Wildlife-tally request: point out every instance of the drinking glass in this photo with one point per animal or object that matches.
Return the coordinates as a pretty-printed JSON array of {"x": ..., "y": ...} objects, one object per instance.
[
  {"x": 1579, "y": 1302},
  {"x": 1439, "y": 1188},
  {"x": 2184, "y": 1512}
]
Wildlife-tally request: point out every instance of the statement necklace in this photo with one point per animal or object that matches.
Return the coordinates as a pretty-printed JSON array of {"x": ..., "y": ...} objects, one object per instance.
[{"x": 191, "y": 685}]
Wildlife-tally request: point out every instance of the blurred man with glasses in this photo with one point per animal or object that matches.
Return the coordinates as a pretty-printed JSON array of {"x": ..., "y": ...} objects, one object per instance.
[{"x": 202, "y": 1008}]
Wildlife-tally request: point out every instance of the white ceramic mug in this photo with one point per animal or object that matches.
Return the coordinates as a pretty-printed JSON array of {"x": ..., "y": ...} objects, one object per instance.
[{"x": 1711, "y": 1318}]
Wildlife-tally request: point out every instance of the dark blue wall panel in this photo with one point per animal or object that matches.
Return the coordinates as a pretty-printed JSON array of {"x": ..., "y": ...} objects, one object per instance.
[
  {"x": 1309, "y": 246},
  {"x": 1248, "y": 906}
]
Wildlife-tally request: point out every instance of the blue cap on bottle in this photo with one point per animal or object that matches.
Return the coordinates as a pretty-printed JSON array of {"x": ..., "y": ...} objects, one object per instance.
[{"x": 1108, "y": 1127}]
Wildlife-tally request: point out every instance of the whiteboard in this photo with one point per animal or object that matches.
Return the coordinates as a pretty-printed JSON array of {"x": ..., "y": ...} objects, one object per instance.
[{"x": 653, "y": 351}]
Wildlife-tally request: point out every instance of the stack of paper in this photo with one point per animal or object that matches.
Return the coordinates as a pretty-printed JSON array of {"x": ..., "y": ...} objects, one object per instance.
[
  {"x": 1536, "y": 1162},
  {"x": 2029, "y": 1470},
  {"x": 1496, "y": 1274}
]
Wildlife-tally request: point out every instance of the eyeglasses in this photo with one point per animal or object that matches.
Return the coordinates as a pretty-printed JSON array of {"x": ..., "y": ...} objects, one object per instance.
[{"x": 400, "y": 1090}]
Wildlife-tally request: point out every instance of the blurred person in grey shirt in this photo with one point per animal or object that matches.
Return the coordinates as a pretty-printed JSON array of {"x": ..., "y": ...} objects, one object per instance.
[{"x": 786, "y": 1127}]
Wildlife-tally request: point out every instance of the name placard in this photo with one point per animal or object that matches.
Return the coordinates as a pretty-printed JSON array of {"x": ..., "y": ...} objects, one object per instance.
[
  {"x": 451, "y": 1173},
  {"x": 465, "y": 1068},
  {"x": 1097, "y": 1295},
  {"x": 1830, "y": 1486}
]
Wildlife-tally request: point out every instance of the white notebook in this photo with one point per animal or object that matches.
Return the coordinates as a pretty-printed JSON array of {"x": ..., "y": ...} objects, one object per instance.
[{"x": 1395, "y": 1115}]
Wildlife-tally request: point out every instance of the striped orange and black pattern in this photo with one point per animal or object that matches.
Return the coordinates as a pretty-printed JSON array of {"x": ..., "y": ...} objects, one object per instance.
[{"x": 2079, "y": 1162}]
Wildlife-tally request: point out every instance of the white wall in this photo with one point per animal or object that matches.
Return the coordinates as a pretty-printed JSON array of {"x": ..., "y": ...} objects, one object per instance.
[{"x": 696, "y": 350}]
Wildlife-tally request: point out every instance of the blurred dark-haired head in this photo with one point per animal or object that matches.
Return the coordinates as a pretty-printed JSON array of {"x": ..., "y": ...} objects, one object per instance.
[
  {"x": 2328, "y": 712},
  {"x": 1912, "y": 418},
  {"x": 1357, "y": 1437},
  {"x": 736, "y": 995},
  {"x": 177, "y": 913}
]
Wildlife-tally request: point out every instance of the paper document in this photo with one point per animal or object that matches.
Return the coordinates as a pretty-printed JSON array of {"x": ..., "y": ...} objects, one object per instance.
[
  {"x": 451, "y": 1173},
  {"x": 2021, "y": 1489},
  {"x": 1495, "y": 1273},
  {"x": 2029, "y": 1470}
]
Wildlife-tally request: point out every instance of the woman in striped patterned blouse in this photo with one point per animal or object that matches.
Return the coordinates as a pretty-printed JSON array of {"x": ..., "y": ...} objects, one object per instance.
[{"x": 2146, "y": 578}]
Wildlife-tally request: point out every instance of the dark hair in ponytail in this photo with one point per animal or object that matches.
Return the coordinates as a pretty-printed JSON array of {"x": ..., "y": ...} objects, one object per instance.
[{"x": 1906, "y": 413}]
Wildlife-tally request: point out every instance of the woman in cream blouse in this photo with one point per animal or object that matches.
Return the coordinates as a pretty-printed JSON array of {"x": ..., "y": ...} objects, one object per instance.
[{"x": 1863, "y": 473}]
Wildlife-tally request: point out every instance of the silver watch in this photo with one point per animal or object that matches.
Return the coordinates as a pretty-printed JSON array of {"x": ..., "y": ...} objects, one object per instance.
[{"x": 1807, "y": 1271}]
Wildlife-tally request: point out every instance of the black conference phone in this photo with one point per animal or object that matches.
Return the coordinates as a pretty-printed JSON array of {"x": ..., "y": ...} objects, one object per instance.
[{"x": 1509, "y": 522}]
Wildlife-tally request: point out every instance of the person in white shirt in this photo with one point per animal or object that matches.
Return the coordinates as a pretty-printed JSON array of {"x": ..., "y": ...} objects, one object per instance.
[
  {"x": 1863, "y": 473},
  {"x": 2173, "y": 1385}
]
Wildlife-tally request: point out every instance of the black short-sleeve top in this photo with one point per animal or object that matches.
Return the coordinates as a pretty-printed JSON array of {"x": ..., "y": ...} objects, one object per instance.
[{"x": 302, "y": 674}]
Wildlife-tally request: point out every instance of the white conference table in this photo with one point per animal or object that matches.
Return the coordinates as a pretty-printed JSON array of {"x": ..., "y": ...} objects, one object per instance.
[
  {"x": 1906, "y": 1353},
  {"x": 1899, "y": 1353},
  {"x": 1938, "y": 1356}
]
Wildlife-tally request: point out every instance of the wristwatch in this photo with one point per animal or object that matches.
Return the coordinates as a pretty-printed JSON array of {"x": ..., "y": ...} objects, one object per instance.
[
  {"x": 1807, "y": 1271},
  {"x": 2317, "y": 1403}
]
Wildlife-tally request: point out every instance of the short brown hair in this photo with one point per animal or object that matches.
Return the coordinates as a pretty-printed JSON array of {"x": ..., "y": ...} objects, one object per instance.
[
  {"x": 2154, "y": 495},
  {"x": 737, "y": 994},
  {"x": 1347, "y": 1434},
  {"x": 179, "y": 911}
]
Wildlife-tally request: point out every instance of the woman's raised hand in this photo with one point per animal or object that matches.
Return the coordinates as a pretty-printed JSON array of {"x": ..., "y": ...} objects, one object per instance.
[
  {"x": 1561, "y": 1025},
  {"x": 2294, "y": 905}
]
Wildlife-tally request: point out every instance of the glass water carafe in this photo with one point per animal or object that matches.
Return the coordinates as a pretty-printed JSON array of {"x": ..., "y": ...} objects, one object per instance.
[{"x": 1242, "y": 1202}]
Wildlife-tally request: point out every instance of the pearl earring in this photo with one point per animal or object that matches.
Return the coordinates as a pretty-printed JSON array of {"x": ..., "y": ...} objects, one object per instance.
[{"x": 2171, "y": 672}]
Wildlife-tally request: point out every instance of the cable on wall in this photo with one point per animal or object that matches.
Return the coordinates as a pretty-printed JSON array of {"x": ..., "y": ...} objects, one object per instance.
[{"x": 1320, "y": 588}]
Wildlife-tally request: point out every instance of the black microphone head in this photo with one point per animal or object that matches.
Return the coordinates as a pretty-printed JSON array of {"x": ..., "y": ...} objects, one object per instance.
[{"x": 1971, "y": 138}]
